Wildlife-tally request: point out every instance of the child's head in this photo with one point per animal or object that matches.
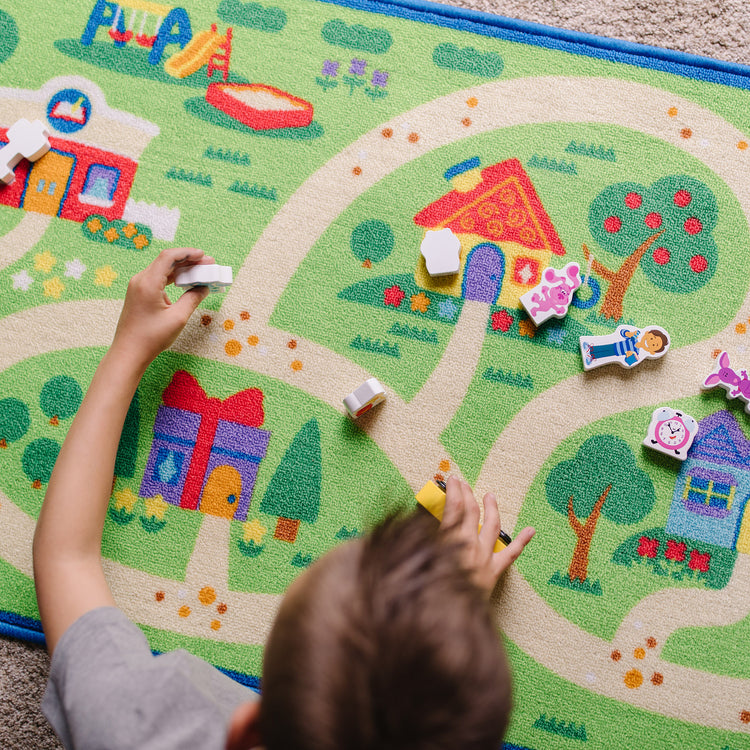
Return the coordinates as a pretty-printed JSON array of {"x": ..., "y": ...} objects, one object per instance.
[
  {"x": 386, "y": 643},
  {"x": 654, "y": 341}
]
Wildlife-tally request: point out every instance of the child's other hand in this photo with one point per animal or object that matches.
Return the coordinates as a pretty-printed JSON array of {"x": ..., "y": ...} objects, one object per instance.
[
  {"x": 149, "y": 322},
  {"x": 461, "y": 517}
]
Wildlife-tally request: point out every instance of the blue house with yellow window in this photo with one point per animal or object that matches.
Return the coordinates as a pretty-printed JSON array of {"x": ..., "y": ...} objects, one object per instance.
[{"x": 710, "y": 501}]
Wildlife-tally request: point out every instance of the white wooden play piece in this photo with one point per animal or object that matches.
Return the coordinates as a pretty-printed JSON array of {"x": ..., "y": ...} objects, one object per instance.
[
  {"x": 627, "y": 346},
  {"x": 26, "y": 140},
  {"x": 441, "y": 252},
  {"x": 671, "y": 432},
  {"x": 552, "y": 296},
  {"x": 216, "y": 278},
  {"x": 734, "y": 381},
  {"x": 369, "y": 394}
]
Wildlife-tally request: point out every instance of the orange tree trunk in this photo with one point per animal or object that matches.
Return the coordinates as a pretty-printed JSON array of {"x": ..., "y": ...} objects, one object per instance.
[
  {"x": 619, "y": 280},
  {"x": 286, "y": 529},
  {"x": 579, "y": 565}
]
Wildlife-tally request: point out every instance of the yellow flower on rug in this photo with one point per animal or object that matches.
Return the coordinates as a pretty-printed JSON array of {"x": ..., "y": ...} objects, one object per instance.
[
  {"x": 420, "y": 302},
  {"x": 253, "y": 531},
  {"x": 125, "y": 500},
  {"x": 53, "y": 287},
  {"x": 105, "y": 276},
  {"x": 44, "y": 261},
  {"x": 156, "y": 507}
]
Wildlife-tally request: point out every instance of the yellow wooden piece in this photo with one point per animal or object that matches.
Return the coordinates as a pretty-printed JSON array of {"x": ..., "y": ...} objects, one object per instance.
[
  {"x": 195, "y": 55},
  {"x": 432, "y": 499}
]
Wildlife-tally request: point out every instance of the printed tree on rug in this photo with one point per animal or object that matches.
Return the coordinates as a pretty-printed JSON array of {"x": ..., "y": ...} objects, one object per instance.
[
  {"x": 14, "y": 420},
  {"x": 39, "y": 459},
  {"x": 602, "y": 480},
  {"x": 293, "y": 493},
  {"x": 60, "y": 398},
  {"x": 673, "y": 219},
  {"x": 127, "y": 449}
]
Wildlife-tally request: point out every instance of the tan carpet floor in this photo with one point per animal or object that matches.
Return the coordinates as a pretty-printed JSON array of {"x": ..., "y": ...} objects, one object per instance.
[{"x": 714, "y": 28}]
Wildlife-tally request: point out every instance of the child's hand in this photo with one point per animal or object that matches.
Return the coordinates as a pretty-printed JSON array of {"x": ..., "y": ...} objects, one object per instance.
[
  {"x": 149, "y": 322},
  {"x": 461, "y": 514}
]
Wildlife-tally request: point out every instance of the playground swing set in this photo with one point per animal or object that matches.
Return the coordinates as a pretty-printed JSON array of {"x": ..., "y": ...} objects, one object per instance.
[{"x": 208, "y": 47}]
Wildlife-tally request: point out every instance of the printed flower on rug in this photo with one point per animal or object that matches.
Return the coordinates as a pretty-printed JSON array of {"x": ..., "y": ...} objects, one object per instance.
[
  {"x": 393, "y": 295},
  {"x": 420, "y": 302}
]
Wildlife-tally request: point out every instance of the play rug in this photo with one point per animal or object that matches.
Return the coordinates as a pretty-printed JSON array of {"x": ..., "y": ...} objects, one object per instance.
[{"x": 314, "y": 146}]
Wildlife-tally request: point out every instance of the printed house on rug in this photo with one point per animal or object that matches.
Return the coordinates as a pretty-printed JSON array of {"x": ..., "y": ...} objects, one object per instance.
[
  {"x": 206, "y": 452},
  {"x": 91, "y": 166},
  {"x": 506, "y": 236},
  {"x": 710, "y": 502}
]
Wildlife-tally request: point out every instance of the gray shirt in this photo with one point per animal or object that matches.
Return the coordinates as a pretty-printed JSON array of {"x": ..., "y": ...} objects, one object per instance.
[{"x": 107, "y": 691}]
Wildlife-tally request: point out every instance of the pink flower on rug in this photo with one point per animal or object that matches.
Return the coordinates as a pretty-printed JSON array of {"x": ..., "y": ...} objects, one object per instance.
[
  {"x": 698, "y": 561},
  {"x": 393, "y": 295},
  {"x": 501, "y": 320},
  {"x": 648, "y": 547},
  {"x": 675, "y": 550}
]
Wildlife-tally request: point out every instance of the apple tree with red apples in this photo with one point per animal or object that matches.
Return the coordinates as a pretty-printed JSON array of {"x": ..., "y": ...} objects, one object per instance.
[{"x": 665, "y": 229}]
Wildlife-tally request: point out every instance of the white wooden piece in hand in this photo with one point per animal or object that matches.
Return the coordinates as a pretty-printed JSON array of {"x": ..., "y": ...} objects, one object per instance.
[{"x": 216, "y": 278}]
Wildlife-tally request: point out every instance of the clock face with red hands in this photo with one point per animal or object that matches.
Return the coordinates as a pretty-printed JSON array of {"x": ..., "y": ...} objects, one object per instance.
[{"x": 671, "y": 432}]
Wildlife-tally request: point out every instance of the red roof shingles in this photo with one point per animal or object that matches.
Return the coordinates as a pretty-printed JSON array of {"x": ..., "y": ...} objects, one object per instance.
[{"x": 503, "y": 207}]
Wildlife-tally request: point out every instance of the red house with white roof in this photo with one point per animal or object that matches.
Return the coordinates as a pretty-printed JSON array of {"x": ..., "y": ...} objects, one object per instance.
[
  {"x": 94, "y": 152},
  {"x": 72, "y": 181},
  {"x": 507, "y": 238}
]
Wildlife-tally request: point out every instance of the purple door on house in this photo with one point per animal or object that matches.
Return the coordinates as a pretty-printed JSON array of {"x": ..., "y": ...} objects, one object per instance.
[{"x": 483, "y": 276}]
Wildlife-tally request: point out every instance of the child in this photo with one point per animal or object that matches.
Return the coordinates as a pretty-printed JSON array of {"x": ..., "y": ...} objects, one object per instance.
[{"x": 386, "y": 642}]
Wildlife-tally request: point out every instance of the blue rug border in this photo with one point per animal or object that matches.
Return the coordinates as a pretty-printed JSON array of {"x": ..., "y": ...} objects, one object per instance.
[
  {"x": 577, "y": 42},
  {"x": 30, "y": 630},
  {"x": 22, "y": 628}
]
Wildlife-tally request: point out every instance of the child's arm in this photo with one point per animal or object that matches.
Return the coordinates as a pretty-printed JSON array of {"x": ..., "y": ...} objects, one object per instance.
[
  {"x": 461, "y": 517},
  {"x": 67, "y": 562}
]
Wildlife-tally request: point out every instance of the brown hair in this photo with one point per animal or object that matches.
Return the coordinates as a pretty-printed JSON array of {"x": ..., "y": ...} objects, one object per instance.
[
  {"x": 386, "y": 645},
  {"x": 663, "y": 339}
]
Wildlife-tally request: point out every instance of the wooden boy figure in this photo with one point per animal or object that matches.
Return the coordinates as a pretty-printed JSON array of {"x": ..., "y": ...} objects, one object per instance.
[{"x": 627, "y": 346}]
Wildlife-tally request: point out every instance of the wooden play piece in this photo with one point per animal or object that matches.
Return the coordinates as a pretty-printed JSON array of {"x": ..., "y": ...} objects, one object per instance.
[
  {"x": 432, "y": 498},
  {"x": 369, "y": 394},
  {"x": 627, "y": 346},
  {"x": 216, "y": 278},
  {"x": 441, "y": 250},
  {"x": 553, "y": 295},
  {"x": 671, "y": 432},
  {"x": 735, "y": 383},
  {"x": 26, "y": 140}
]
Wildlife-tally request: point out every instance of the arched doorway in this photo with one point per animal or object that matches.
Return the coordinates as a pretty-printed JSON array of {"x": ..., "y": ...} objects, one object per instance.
[
  {"x": 483, "y": 275},
  {"x": 221, "y": 495}
]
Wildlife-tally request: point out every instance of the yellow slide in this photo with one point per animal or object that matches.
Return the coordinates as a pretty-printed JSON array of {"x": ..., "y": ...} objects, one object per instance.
[{"x": 197, "y": 54}]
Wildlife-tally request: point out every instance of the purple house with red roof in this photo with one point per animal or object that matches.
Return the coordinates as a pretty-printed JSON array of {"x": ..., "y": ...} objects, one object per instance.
[
  {"x": 507, "y": 238},
  {"x": 206, "y": 452},
  {"x": 710, "y": 501}
]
